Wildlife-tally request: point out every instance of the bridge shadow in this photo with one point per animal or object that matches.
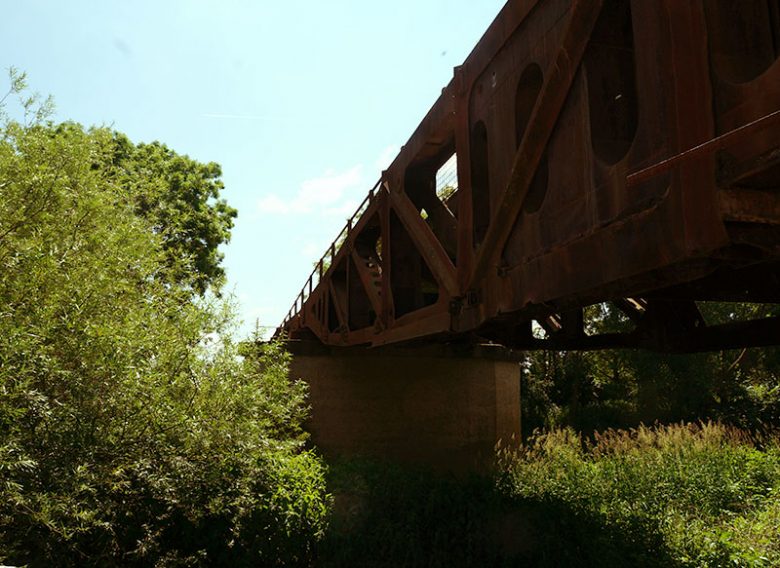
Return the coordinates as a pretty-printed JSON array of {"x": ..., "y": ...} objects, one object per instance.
[{"x": 388, "y": 515}]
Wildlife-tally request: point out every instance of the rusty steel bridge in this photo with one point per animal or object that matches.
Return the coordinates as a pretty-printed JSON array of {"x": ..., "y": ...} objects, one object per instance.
[{"x": 586, "y": 151}]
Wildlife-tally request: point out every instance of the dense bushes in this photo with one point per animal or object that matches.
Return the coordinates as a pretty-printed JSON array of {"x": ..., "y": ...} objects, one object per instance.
[
  {"x": 388, "y": 515},
  {"x": 684, "y": 495},
  {"x": 131, "y": 430},
  {"x": 704, "y": 495}
]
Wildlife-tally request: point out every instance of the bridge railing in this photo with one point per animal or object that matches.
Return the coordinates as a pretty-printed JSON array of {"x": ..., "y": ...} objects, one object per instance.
[{"x": 323, "y": 265}]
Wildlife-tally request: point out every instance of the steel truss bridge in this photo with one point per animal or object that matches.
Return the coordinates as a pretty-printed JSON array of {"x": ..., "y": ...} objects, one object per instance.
[{"x": 586, "y": 151}]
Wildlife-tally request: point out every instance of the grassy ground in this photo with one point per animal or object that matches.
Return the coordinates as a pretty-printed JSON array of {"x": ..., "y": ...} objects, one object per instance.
[{"x": 684, "y": 495}]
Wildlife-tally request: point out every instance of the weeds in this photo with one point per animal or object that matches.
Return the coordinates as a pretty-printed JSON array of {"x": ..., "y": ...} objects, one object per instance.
[
  {"x": 685, "y": 495},
  {"x": 681, "y": 495}
]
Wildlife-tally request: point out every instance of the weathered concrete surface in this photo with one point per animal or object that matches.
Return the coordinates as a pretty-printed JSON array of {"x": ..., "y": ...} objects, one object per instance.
[{"x": 426, "y": 407}]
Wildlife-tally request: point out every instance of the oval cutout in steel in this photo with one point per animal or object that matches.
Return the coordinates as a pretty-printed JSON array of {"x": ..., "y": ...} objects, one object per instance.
[
  {"x": 611, "y": 76},
  {"x": 528, "y": 88}
]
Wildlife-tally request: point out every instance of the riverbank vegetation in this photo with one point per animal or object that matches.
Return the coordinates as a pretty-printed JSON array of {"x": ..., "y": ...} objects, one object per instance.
[
  {"x": 679, "y": 495},
  {"x": 593, "y": 391},
  {"x": 132, "y": 433}
]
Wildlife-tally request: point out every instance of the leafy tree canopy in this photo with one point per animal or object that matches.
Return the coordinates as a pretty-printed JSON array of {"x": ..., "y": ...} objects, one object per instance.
[
  {"x": 180, "y": 197},
  {"x": 131, "y": 430}
]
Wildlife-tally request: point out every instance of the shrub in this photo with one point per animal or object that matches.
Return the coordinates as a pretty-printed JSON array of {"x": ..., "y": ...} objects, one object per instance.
[
  {"x": 687, "y": 495},
  {"x": 391, "y": 515},
  {"x": 681, "y": 495},
  {"x": 131, "y": 430}
]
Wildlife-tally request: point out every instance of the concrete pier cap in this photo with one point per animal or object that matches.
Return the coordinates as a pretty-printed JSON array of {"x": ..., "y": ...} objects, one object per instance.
[{"x": 440, "y": 406}]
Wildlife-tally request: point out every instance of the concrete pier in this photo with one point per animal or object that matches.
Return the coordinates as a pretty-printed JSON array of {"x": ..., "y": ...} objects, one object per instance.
[{"x": 437, "y": 407}]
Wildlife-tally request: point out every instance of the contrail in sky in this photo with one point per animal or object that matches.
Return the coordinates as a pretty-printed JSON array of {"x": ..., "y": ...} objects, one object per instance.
[{"x": 243, "y": 116}]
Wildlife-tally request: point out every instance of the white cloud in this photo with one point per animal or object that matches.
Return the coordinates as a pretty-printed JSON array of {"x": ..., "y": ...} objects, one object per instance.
[
  {"x": 344, "y": 209},
  {"x": 333, "y": 194},
  {"x": 329, "y": 188},
  {"x": 322, "y": 193},
  {"x": 272, "y": 204},
  {"x": 312, "y": 249},
  {"x": 386, "y": 157}
]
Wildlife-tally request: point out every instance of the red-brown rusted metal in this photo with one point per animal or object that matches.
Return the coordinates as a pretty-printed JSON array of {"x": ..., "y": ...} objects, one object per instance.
[{"x": 621, "y": 151}]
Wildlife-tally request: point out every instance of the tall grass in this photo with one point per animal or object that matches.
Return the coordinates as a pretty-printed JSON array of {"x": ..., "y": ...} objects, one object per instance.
[
  {"x": 684, "y": 495},
  {"x": 681, "y": 495}
]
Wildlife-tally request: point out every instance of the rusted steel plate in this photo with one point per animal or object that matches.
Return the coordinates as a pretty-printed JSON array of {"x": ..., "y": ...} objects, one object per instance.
[{"x": 603, "y": 152}]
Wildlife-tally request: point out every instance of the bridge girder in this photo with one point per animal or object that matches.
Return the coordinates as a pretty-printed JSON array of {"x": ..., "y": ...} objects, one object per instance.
[{"x": 619, "y": 151}]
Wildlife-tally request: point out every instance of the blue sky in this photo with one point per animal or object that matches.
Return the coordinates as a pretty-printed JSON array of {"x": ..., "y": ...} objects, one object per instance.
[{"x": 301, "y": 102}]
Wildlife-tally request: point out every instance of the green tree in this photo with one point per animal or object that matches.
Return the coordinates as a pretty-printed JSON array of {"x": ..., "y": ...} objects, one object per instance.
[
  {"x": 132, "y": 432},
  {"x": 181, "y": 198},
  {"x": 178, "y": 196},
  {"x": 623, "y": 388}
]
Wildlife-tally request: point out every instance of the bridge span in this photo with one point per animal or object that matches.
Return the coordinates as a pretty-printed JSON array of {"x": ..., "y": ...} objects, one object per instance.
[
  {"x": 606, "y": 151},
  {"x": 586, "y": 151}
]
